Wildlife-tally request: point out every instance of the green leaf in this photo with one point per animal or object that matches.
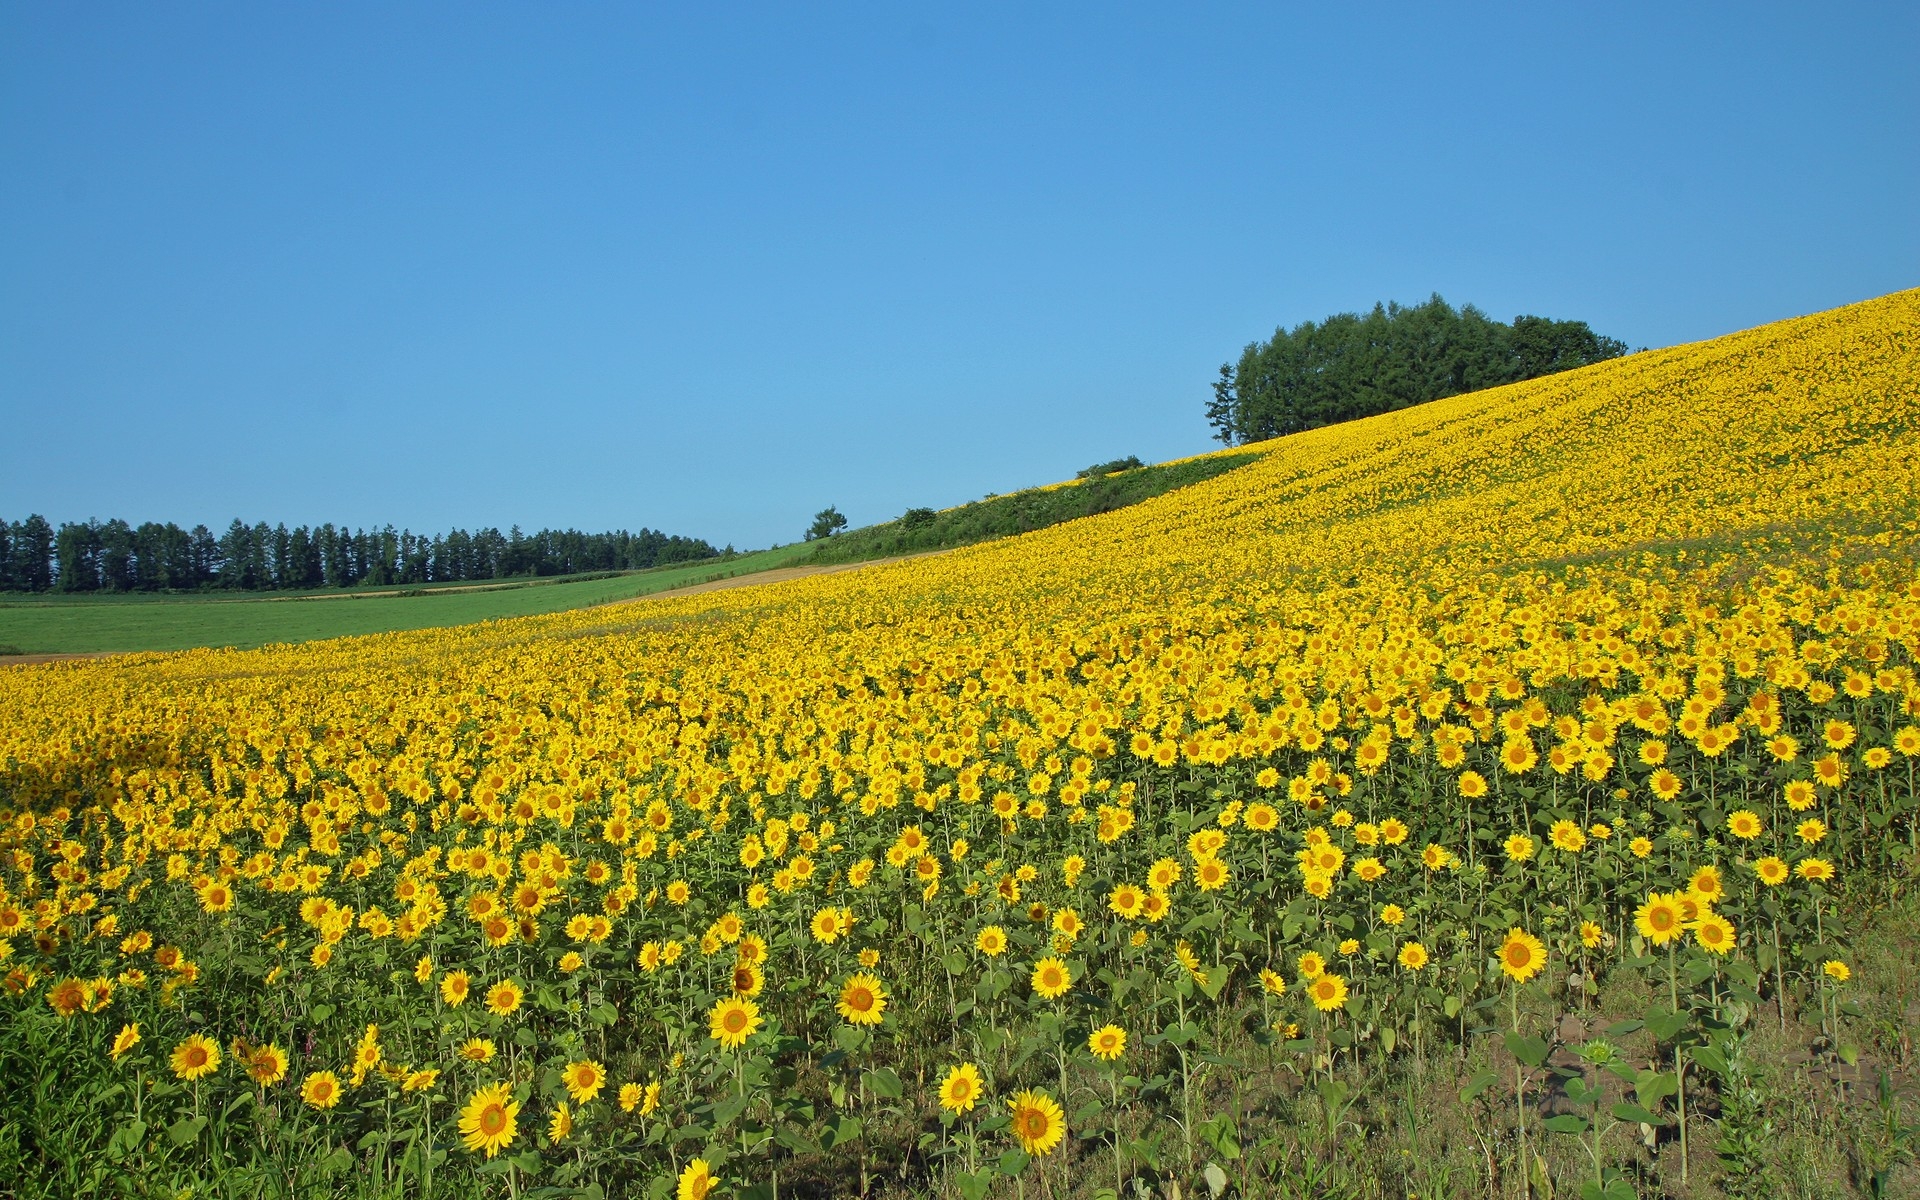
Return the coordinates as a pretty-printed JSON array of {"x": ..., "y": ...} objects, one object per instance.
[
  {"x": 1566, "y": 1123},
  {"x": 1013, "y": 1162},
  {"x": 883, "y": 1082},
  {"x": 185, "y": 1130},
  {"x": 1529, "y": 1050},
  {"x": 1710, "y": 1058},
  {"x": 843, "y": 1129},
  {"x": 320, "y": 1013},
  {"x": 1627, "y": 1110},
  {"x": 1481, "y": 1081},
  {"x": 975, "y": 1185}
]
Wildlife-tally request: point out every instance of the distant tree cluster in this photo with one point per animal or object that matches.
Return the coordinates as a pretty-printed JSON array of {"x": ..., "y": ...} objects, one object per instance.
[
  {"x": 113, "y": 556},
  {"x": 1351, "y": 366}
]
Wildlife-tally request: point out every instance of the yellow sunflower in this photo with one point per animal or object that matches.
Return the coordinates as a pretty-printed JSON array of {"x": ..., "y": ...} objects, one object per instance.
[
  {"x": 195, "y": 1058},
  {"x": 490, "y": 1120},
  {"x": 961, "y": 1089},
  {"x": 1051, "y": 979},
  {"x": 862, "y": 1000},
  {"x": 1108, "y": 1042},
  {"x": 1038, "y": 1122},
  {"x": 733, "y": 1021},
  {"x": 1522, "y": 955}
]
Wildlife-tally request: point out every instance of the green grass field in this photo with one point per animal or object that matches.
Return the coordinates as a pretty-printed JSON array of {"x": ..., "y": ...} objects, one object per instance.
[{"x": 92, "y": 624}]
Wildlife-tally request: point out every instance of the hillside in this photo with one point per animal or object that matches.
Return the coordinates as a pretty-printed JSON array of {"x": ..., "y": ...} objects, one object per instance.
[{"x": 1527, "y": 652}]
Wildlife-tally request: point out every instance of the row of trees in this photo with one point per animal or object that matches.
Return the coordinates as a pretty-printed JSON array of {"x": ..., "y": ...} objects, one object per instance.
[
  {"x": 1350, "y": 366},
  {"x": 114, "y": 556}
]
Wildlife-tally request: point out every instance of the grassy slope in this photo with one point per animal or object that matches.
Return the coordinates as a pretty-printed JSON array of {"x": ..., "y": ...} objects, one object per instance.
[
  {"x": 95, "y": 624},
  {"x": 125, "y": 623}
]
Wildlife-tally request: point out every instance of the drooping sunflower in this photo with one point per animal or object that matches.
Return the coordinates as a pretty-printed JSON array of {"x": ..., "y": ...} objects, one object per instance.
[
  {"x": 1038, "y": 1122},
  {"x": 1327, "y": 991},
  {"x": 733, "y": 1021},
  {"x": 1051, "y": 979},
  {"x": 561, "y": 1124},
  {"x": 1659, "y": 920},
  {"x": 1108, "y": 1042},
  {"x": 583, "y": 1080},
  {"x": 961, "y": 1089},
  {"x": 320, "y": 1090},
  {"x": 490, "y": 1120},
  {"x": 1522, "y": 955},
  {"x": 862, "y": 1000},
  {"x": 195, "y": 1058},
  {"x": 126, "y": 1039}
]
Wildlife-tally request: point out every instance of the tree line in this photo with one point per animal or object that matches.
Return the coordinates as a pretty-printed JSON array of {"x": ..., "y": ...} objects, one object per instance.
[
  {"x": 1351, "y": 366},
  {"x": 114, "y": 556}
]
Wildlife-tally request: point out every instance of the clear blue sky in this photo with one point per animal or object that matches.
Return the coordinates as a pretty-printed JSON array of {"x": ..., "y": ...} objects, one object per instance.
[{"x": 711, "y": 268}]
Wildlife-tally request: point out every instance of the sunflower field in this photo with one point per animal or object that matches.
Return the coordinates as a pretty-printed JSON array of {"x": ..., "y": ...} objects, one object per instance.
[{"x": 1540, "y": 752}]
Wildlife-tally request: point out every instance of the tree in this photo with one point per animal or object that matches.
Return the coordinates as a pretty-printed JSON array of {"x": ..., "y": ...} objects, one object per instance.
[
  {"x": 1350, "y": 366},
  {"x": 826, "y": 523}
]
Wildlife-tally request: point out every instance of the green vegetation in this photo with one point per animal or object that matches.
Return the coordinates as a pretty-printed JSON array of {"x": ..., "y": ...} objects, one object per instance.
[
  {"x": 1097, "y": 490},
  {"x": 113, "y": 622},
  {"x": 107, "y": 623},
  {"x": 1349, "y": 366}
]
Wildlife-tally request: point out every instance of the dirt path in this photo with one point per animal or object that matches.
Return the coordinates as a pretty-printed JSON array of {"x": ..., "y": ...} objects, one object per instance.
[
  {"x": 776, "y": 575},
  {"x": 27, "y": 660}
]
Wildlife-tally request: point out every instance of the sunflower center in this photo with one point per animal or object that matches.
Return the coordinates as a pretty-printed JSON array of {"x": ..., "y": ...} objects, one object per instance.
[
  {"x": 493, "y": 1119},
  {"x": 1031, "y": 1123},
  {"x": 735, "y": 1021},
  {"x": 860, "y": 999}
]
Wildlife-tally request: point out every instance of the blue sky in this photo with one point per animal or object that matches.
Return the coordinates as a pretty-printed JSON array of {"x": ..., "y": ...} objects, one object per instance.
[{"x": 710, "y": 269}]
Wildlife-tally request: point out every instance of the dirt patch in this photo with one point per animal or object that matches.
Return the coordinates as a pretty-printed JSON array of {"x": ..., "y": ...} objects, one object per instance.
[
  {"x": 776, "y": 575},
  {"x": 27, "y": 660}
]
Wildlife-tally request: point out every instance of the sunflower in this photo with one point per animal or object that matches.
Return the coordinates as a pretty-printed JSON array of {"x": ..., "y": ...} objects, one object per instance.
[
  {"x": 477, "y": 1050},
  {"x": 1519, "y": 847},
  {"x": 1211, "y": 875},
  {"x": 1310, "y": 965},
  {"x": 1836, "y": 970},
  {"x": 1327, "y": 991},
  {"x": 733, "y": 1021},
  {"x": 696, "y": 1181},
  {"x": 1472, "y": 785},
  {"x": 1567, "y": 836},
  {"x": 1162, "y": 875},
  {"x": 1392, "y": 915},
  {"x": 1811, "y": 830},
  {"x": 1772, "y": 871},
  {"x": 1800, "y": 795},
  {"x": 1108, "y": 1042},
  {"x": 991, "y": 941},
  {"x": 1745, "y": 824},
  {"x": 1038, "y": 1122},
  {"x": 561, "y": 1125},
  {"x": 1522, "y": 955},
  {"x": 1051, "y": 979},
  {"x": 126, "y": 1039},
  {"x": 1590, "y": 934},
  {"x": 1706, "y": 884},
  {"x": 862, "y": 1000},
  {"x": 489, "y": 1121},
  {"x": 583, "y": 1080},
  {"x": 747, "y": 979},
  {"x": 1714, "y": 933},
  {"x": 267, "y": 1065},
  {"x": 1125, "y": 901},
  {"x": 421, "y": 1081},
  {"x": 320, "y": 1090},
  {"x": 1413, "y": 956},
  {"x": 1660, "y": 920},
  {"x": 1271, "y": 983},
  {"x": 195, "y": 1058},
  {"x": 961, "y": 1088},
  {"x": 503, "y": 998},
  {"x": 825, "y": 926},
  {"x": 1814, "y": 870},
  {"x": 1664, "y": 784}
]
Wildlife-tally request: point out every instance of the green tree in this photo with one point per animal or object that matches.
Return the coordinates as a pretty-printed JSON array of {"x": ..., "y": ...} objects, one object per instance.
[{"x": 826, "y": 523}]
